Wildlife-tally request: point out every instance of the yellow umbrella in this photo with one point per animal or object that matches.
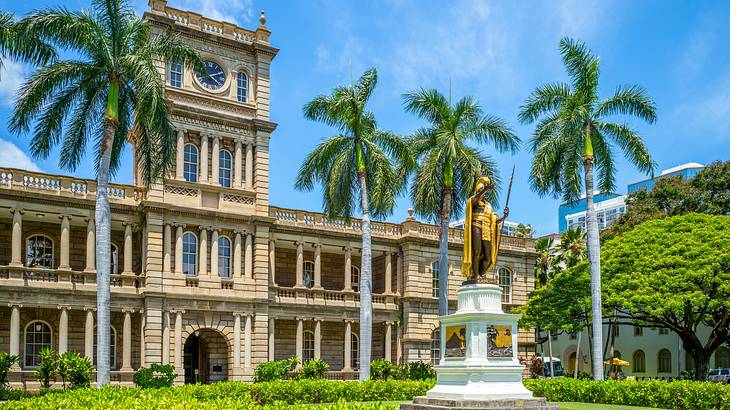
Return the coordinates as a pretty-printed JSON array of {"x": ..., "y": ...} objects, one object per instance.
[{"x": 616, "y": 362}]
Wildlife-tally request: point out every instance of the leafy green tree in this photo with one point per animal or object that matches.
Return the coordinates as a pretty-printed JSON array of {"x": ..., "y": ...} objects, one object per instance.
[
  {"x": 572, "y": 132},
  {"x": 674, "y": 273},
  {"x": 17, "y": 45},
  {"x": 448, "y": 165},
  {"x": 111, "y": 95},
  {"x": 524, "y": 231},
  {"x": 358, "y": 159},
  {"x": 712, "y": 187}
]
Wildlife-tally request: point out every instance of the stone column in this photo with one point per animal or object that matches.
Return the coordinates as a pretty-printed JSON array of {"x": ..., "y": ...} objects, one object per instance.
[
  {"x": 247, "y": 342},
  {"x": 237, "y": 340},
  {"x": 142, "y": 331},
  {"x": 204, "y": 158},
  {"x": 215, "y": 172},
  {"x": 178, "y": 339},
  {"x": 15, "y": 331},
  {"x": 398, "y": 344},
  {"x": 214, "y": 252},
  {"x": 300, "y": 265},
  {"x": 388, "y": 274},
  {"x": 317, "y": 338},
  {"x": 16, "y": 258},
  {"x": 128, "y": 249},
  {"x": 348, "y": 269},
  {"x": 237, "y": 166},
  {"x": 272, "y": 339},
  {"x": 127, "y": 341},
  {"x": 237, "y": 255},
  {"x": 166, "y": 338},
  {"x": 63, "y": 330},
  {"x": 317, "y": 266},
  {"x": 348, "y": 347},
  {"x": 65, "y": 243},
  {"x": 179, "y": 175},
  {"x": 300, "y": 340},
  {"x": 90, "y": 245},
  {"x": 89, "y": 334},
  {"x": 399, "y": 275},
  {"x": 272, "y": 262},
  {"x": 249, "y": 166},
  {"x": 178, "y": 249},
  {"x": 248, "y": 256},
  {"x": 203, "y": 253},
  {"x": 388, "y": 341},
  {"x": 166, "y": 249}
]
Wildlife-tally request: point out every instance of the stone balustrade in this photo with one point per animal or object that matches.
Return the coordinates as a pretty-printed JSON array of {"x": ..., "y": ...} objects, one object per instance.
[
  {"x": 79, "y": 280},
  {"x": 327, "y": 297}
]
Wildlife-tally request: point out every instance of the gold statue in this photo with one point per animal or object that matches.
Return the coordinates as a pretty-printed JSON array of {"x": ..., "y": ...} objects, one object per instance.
[{"x": 481, "y": 233}]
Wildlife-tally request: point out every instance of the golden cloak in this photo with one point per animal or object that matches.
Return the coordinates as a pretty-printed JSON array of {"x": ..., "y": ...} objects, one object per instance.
[{"x": 492, "y": 234}]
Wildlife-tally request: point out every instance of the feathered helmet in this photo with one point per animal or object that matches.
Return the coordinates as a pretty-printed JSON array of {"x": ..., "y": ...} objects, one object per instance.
[{"x": 482, "y": 182}]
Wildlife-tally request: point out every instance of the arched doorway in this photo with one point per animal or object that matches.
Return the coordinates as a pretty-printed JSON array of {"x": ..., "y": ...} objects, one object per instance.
[
  {"x": 572, "y": 363},
  {"x": 205, "y": 357}
]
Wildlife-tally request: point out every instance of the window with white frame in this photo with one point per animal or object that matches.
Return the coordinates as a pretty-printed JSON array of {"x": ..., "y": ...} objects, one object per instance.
[
  {"x": 355, "y": 351},
  {"x": 308, "y": 274},
  {"x": 242, "y": 87},
  {"x": 190, "y": 254},
  {"x": 308, "y": 346},
  {"x": 37, "y": 337},
  {"x": 639, "y": 361},
  {"x": 224, "y": 257},
  {"x": 112, "y": 347},
  {"x": 435, "y": 347},
  {"x": 355, "y": 278},
  {"x": 39, "y": 252},
  {"x": 190, "y": 163},
  {"x": 435, "y": 278},
  {"x": 176, "y": 74},
  {"x": 664, "y": 361},
  {"x": 505, "y": 282},
  {"x": 114, "y": 259},
  {"x": 225, "y": 165}
]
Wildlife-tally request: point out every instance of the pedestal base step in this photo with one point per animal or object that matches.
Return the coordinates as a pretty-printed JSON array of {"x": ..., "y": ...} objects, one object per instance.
[{"x": 425, "y": 403}]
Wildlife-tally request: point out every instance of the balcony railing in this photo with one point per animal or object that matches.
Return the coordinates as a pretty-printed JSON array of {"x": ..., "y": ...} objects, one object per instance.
[
  {"x": 327, "y": 297},
  {"x": 65, "y": 186},
  {"x": 39, "y": 277}
]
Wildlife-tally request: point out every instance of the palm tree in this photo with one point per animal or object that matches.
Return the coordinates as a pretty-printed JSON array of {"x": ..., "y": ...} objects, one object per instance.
[
  {"x": 356, "y": 160},
  {"x": 448, "y": 166},
  {"x": 572, "y": 247},
  {"x": 572, "y": 131},
  {"x": 544, "y": 248},
  {"x": 19, "y": 46},
  {"x": 111, "y": 95}
]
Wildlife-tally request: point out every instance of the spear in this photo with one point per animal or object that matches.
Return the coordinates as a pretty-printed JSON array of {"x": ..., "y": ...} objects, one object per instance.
[{"x": 509, "y": 190}]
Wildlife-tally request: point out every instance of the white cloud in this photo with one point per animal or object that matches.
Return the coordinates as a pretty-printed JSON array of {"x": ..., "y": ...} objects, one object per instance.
[
  {"x": 13, "y": 157},
  {"x": 233, "y": 11},
  {"x": 12, "y": 75}
]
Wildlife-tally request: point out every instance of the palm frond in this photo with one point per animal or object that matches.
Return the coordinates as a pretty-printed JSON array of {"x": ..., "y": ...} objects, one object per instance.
[
  {"x": 630, "y": 143},
  {"x": 545, "y": 100},
  {"x": 604, "y": 161},
  {"x": 492, "y": 129},
  {"x": 429, "y": 104},
  {"x": 631, "y": 100},
  {"x": 583, "y": 69}
]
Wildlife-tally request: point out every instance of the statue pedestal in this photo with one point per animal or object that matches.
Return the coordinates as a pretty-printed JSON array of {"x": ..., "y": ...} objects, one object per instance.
[{"x": 479, "y": 365}]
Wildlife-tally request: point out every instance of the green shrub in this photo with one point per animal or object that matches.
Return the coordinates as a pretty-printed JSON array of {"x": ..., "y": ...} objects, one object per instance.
[
  {"x": 6, "y": 362},
  {"x": 75, "y": 369},
  {"x": 8, "y": 394},
  {"x": 314, "y": 369},
  {"x": 46, "y": 370},
  {"x": 381, "y": 369},
  {"x": 419, "y": 371},
  {"x": 276, "y": 370},
  {"x": 647, "y": 393},
  {"x": 155, "y": 377},
  {"x": 327, "y": 391}
]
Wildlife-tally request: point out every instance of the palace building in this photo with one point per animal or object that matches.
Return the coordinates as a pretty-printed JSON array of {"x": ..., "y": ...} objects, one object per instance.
[{"x": 206, "y": 274}]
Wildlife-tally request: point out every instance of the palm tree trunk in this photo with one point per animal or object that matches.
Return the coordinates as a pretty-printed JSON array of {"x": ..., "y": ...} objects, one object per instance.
[
  {"x": 444, "y": 252},
  {"x": 577, "y": 356},
  {"x": 594, "y": 259},
  {"x": 550, "y": 348},
  {"x": 366, "y": 307}
]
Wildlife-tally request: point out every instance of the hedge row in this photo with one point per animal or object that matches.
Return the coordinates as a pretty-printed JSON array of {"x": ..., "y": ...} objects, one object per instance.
[
  {"x": 232, "y": 395},
  {"x": 647, "y": 393}
]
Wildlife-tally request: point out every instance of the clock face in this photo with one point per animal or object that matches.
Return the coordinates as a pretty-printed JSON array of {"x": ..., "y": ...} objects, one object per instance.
[{"x": 213, "y": 77}]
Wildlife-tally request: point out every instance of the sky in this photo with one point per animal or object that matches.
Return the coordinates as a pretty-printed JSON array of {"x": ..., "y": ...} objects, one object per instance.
[{"x": 495, "y": 51}]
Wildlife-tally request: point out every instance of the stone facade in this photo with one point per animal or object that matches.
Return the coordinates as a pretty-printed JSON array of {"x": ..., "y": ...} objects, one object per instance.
[{"x": 206, "y": 275}]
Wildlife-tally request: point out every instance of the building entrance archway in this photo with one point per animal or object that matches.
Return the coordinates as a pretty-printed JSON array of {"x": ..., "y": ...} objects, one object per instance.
[{"x": 205, "y": 357}]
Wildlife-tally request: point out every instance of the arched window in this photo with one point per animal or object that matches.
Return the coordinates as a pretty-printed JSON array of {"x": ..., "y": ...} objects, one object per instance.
[
  {"x": 242, "y": 87},
  {"x": 37, "y": 337},
  {"x": 435, "y": 347},
  {"x": 572, "y": 362},
  {"x": 190, "y": 254},
  {"x": 39, "y": 252},
  {"x": 308, "y": 346},
  {"x": 355, "y": 278},
  {"x": 114, "y": 259},
  {"x": 505, "y": 282},
  {"x": 639, "y": 361},
  {"x": 664, "y": 361},
  {"x": 176, "y": 74},
  {"x": 355, "y": 351},
  {"x": 225, "y": 165},
  {"x": 308, "y": 274},
  {"x": 224, "y": 257},
  {"x": 722, "y": 357},
  {"x": 435, "y": 278},
  {"x": 112, "y": 347},
  {"x": 190, "y": 163}
]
